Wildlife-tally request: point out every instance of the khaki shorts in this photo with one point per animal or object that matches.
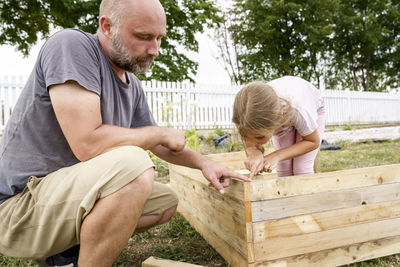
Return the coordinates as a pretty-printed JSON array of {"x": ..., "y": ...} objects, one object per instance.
[{"x": 45, "y": 218}]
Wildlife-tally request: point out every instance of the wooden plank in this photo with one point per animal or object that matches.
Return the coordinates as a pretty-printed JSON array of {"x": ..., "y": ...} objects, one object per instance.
[
  {"x": 230, "y": 254},
  {"x": 158, "y": 262},
  {"x": 249, "y": 231},
  {"x": 189, "y": 173},
  {"x": 271, "y": 188},
  {"x": 223, "y": 215},
  {"x": 283, "y": 247},
  {"x": 233, "y": 160},
  {"x": 306, "y": 204},
  {"x": 216, "y": 206},
  {"x": 332, "y": 219},
  {"x": 235, "y": 189},
  {"x": 340, "y": 256}
]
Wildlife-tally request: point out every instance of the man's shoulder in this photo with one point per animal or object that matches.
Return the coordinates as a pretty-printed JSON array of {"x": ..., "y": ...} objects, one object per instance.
[
  {"x": 72, "y": 34},
  {"x": 73, "y": 41}
]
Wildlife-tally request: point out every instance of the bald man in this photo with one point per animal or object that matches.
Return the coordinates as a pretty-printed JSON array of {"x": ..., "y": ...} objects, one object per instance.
[{"x": 74, "y": 172}]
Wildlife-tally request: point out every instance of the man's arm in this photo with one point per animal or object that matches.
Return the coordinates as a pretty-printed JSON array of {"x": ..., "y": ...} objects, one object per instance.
[
  {"x": 79, "y": 115},
  {"x": 218, "y": 175}
]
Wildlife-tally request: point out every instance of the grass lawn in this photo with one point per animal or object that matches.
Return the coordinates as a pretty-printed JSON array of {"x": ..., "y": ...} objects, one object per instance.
[{"x": 177, "y": 240}]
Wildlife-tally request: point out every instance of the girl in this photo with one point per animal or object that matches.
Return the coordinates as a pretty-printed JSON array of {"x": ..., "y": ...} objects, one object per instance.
[{"x": 291, "y": 111}]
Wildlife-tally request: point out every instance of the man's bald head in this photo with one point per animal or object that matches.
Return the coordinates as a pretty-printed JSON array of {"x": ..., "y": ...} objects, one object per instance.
[{"x": 116, "y": 10}]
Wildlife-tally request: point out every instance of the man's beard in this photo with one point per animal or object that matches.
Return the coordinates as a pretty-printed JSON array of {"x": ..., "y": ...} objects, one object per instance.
[{"x": 121, "y": 58}]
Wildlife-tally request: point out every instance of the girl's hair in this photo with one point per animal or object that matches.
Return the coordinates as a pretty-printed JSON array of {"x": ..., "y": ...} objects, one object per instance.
[{"x": 258, "y": 109}]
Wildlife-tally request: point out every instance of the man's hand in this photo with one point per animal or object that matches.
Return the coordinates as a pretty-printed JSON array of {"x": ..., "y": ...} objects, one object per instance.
[
  {"x": 173, "y": 139},
  {"x": 219, "y": 176},
  {"x": 254, "y": 161}
]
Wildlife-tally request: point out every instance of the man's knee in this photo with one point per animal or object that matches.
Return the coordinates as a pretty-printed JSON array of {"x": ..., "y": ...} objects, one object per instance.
[
  {"x": 143, "y": 181},
  {"x": 126, "y": 178},
  {"x": 162, "y": 198},
  {"x": 167, "y": 214},
  {"x": 130, "y": 163},
  {"x": 128, "y": 157}
]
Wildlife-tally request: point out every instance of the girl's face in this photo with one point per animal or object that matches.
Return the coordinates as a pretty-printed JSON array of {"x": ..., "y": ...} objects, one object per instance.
[{"x": 257, "y": 138}]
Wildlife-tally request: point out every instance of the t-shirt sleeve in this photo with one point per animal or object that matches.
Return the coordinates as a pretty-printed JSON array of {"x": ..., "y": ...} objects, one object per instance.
[
  {"x": 304, "y": 99},
  {"x": 71, "y": 55},
  {"x": 305, "y": 121}
]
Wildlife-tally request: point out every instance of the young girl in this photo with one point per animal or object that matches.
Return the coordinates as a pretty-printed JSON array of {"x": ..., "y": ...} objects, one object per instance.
[{"x": 289, "y": 110}]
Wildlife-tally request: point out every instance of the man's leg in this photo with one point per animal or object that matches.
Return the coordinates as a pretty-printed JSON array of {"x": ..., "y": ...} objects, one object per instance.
[
  {"x": 159, "y": 208},
  {"x": 147, "y": 221},
  {"x": 107, "y": 228},
  {"x": 46, "y": 219}
]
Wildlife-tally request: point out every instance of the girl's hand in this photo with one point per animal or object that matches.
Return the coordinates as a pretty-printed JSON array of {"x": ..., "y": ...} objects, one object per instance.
[
  {"x": 254, "y": 162},
  {"x": 270, "y": 162}
]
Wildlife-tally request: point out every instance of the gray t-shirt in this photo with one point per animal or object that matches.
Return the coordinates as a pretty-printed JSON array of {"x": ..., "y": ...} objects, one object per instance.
[{"x": 33, "y": 143}]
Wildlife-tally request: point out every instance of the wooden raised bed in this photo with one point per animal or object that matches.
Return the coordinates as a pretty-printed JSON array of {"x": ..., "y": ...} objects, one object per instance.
[{"x": 323, "y": 219}]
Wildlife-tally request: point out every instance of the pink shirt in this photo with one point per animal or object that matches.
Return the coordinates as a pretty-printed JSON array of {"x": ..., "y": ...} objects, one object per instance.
[{"x": 305, "y": 99}]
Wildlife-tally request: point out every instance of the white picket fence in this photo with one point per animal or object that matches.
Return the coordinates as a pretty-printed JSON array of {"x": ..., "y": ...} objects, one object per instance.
[{"x": 202, "y": 106}]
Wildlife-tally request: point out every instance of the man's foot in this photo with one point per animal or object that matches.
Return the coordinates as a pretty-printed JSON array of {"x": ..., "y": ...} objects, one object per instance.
[{"x": 66, "y": 258}]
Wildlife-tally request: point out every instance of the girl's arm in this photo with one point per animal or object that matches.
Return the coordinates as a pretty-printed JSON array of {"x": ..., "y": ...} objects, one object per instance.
[{"x": 309, "y": 143}]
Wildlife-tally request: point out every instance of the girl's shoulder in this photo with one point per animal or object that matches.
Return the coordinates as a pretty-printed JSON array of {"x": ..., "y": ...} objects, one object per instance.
[
  {"x": 296, "y": 90},
  {"x": 293, "y": 82}
]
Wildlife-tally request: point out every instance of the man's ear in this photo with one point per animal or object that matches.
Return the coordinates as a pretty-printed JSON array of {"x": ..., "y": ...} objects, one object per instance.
[{"x": 106, "y": 26}]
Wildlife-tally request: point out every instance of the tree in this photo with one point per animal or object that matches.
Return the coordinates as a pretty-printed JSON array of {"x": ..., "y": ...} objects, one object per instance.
[
  {"x": 282, "y": 37},
  {"x": 349, "y": 44},
  {"x": 366, "y": 44},
  {"x": 228, "y": 49},
  {"x": 23, "y": 22}
]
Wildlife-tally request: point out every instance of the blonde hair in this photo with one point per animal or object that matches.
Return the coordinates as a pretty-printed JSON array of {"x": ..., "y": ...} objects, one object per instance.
[{"x": 258, "y": 109}]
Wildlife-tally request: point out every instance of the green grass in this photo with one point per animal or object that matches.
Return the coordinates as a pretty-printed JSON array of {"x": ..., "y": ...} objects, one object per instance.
[
  {"x": 13, "y": 262},
  {"x": 360, "y": 155},
  {"x": 177, "y": 240}
]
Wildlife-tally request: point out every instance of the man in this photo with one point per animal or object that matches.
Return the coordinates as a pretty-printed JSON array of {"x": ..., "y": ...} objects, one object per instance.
[{"x": 73, "y": 166}]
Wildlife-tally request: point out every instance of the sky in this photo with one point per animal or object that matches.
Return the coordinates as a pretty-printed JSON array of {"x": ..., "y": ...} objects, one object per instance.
[{"x": 210, "y": 71}]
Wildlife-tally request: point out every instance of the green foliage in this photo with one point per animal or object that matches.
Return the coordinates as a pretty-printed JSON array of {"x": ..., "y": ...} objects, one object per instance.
[
  {"x": 167, "y": 108},
  {"x": 178, "y": 227},
  {"x": 360, "y": 155},
  {"x": 14, "y": 262},
  {"x": 22, "y": 22},
  {"x": 366, "y": 44},
  {"x": 233, "y": 145},
  {"x": 194, "y": 249},
  {"x": 346, "y": 44},
  {"x": 348, "y": 128},
  {"x": 193, "y": 139},
  {"x": 282, "y": 37},
  {"x": 161, "y": 166},
  {"x": 218, "y": 132}
]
